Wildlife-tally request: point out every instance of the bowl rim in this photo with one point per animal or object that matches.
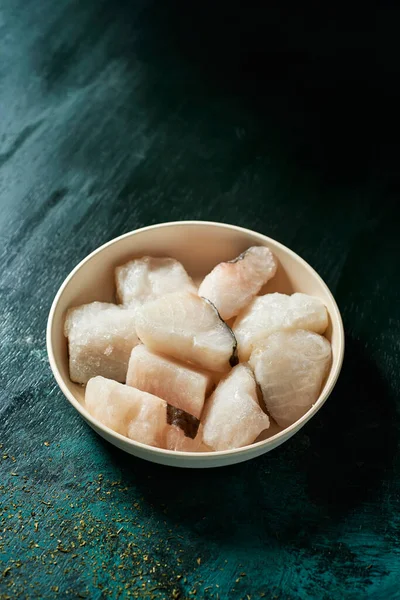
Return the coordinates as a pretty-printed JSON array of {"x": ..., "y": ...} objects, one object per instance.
[{"x": 195, "y": 456}]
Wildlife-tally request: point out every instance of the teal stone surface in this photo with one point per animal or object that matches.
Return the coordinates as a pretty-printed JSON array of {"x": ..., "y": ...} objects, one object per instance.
[{"x": 116, "y": 115}]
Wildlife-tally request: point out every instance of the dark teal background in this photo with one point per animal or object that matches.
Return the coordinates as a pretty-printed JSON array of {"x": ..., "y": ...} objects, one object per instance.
[{"x": 116, "y": 115}]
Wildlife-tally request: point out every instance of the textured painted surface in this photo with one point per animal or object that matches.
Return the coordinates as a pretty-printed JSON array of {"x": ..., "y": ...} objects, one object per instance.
[{"x": 115, "y": 115}]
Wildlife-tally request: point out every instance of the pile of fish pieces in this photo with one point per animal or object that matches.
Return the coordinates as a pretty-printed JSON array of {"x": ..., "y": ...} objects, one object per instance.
[{"x": 161, "y": 367}]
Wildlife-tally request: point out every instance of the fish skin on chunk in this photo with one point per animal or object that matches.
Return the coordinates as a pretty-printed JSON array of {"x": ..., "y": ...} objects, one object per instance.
[
  {"x": 290, "y": 367},
  {"x": 186, "y": 422},
  {"x": 232, "y": 285},
  {"x": 148, "y": 278},
  {"x": 277, "y": 312},
  {"x": 232, "y": 417},
  {"x": 188, "y": 328},
  {"x": 175, "y": 439},
  {"x": 100, "y": 339},
  {"x": 180, "y": 385},
  {"x": 135, "y": 414}
]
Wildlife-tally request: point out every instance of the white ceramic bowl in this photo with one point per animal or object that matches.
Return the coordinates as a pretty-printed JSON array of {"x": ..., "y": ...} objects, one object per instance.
[{"x": 199, "y": 246}]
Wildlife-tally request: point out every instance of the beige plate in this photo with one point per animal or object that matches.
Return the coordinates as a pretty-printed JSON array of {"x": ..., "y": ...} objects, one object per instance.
[{"x": 199, "y": 246}]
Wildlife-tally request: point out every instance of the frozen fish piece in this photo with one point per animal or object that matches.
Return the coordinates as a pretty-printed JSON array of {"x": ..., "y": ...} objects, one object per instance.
[
  {"x": 232, "y": 416},
  {"x": 175, "y": 439},
  {"x": 128, "y": 411},
  {"x": 149, "y": 278},
  {"x": 100, "y": 339},
  {"x": 290, "y": 367},
  {"x": 277, "y": 312},
  {"x": 232, "y": 285},
  {"x": 189, "y": 328},
  {"x": 180, "y": 385}
]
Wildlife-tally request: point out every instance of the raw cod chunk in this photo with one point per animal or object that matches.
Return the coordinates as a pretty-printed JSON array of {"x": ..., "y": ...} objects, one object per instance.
[
  {"x": 189, "y": 328},
  {"x": 128, "y": 411},
  {"x": 232, "y": 285},
  {"x": 180, "y": 385},
  {"x": 232, "y": 416},
  {"x": 143, "y": 417},
  {"x": 100, "y": 339},
  {"x": 149, "y": 278},
  {"x": 290, "y": 367},
  {"x": 277, "y": 312}
]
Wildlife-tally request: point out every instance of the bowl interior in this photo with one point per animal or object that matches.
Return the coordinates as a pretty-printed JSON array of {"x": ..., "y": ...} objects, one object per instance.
[{"x": 199, "y": 247}]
